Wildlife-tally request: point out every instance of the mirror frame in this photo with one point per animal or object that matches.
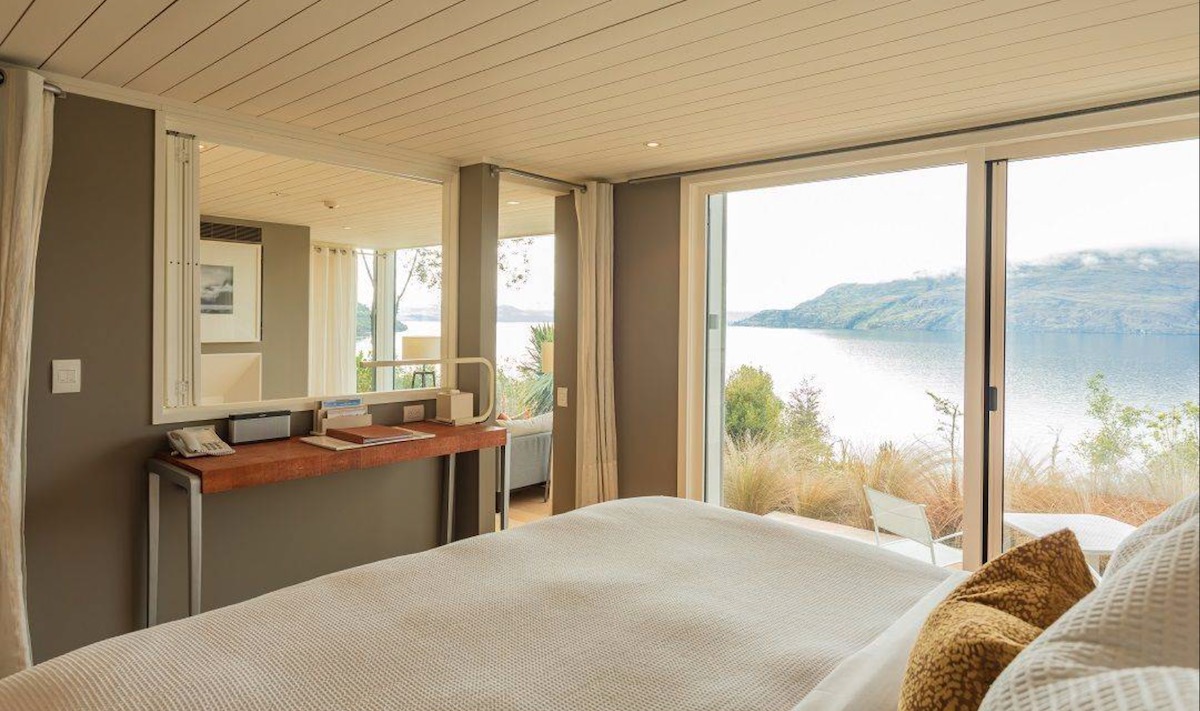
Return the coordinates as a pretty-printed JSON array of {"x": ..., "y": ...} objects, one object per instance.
[{"x": 271, "y": 137}]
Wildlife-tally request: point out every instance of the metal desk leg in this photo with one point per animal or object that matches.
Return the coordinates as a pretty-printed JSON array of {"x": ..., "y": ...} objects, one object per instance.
[
  {"x": 448, "y": 500},
  {"x": 159, "y": 470},
  {"x": 152, "y": 552},
  {"x": 194, "y": 520},
  {"x": 505, "y": 489}
]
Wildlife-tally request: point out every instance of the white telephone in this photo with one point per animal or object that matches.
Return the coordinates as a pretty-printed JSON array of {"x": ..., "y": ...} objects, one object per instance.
[{"x": 197, "y": 442}]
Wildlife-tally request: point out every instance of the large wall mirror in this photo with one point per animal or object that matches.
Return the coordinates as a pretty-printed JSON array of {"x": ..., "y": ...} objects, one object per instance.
[{"x": 282, "y": 276}]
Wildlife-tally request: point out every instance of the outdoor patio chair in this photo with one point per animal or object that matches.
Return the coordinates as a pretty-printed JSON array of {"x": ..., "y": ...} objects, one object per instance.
[{"x": 908, "y": 520}]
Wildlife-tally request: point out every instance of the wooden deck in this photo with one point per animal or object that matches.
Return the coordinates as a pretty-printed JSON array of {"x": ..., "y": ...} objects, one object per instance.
[{"x": 834, "y": 529}]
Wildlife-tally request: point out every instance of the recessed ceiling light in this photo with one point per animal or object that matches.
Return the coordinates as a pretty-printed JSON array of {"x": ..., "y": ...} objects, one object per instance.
[
  {"x": 202, "y": 146},
  {"x": 513, "y": 202},
  {"x": 653, "y": 144},
  {"x": 347, "y": 227}
]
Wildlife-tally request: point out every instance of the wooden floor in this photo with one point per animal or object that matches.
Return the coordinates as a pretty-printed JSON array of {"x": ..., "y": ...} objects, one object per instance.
[{"x": 526, "y": 506}]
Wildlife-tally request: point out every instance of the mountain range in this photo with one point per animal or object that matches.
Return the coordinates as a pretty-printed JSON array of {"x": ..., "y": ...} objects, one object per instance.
[{"x": 1131, "y": 291}]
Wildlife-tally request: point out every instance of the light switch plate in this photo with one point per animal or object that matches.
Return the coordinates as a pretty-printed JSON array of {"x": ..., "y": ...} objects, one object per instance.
[
  {"x": 66, "y": 376},
  {"x": 561, "y": 397},
  {"x": 414, "y": 413}
]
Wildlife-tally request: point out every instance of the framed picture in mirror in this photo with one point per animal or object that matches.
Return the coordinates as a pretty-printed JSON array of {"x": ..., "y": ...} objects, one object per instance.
[{"x": 230, "y": 292}]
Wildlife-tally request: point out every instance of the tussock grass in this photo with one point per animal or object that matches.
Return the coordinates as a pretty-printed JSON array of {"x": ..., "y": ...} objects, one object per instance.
[{"x": 780, "y": 474}]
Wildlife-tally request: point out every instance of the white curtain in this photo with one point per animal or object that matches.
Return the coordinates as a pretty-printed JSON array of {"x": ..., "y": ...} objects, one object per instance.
[
  {"x": 596, "y": 428},
  {"x": 26, "y": 136},
  {"x": 333, "y": 298}
]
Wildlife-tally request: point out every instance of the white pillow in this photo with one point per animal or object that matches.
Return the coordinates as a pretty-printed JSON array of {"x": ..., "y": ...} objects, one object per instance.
[
  {"x": 1132, "y": 643},
  {"x": 533, "y": 425},
  {"x": 1150, "y": 531}
]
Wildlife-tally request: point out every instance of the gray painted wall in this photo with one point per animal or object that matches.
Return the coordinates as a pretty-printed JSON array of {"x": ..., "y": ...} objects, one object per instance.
[
  {"x": 478, "y": 254},
  {"x": 284, "y": 345},
  {"x": 85, "y": 502},
  {"x": 646, "y": 335},
  {"x": 566, "y": 336}
]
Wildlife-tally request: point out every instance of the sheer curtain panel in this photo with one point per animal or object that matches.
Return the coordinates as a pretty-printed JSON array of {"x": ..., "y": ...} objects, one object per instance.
[
  {"x": 331, "y": 310},
  {"x": 596, "y": 427},
  {"x": 26, "y": 136}
]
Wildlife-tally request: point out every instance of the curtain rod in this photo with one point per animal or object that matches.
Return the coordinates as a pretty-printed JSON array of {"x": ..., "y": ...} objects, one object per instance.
[
  {"x": 923, "y": 137},
  {"x": 498, "y": 169},
  {"x": 48, "y": 86}
]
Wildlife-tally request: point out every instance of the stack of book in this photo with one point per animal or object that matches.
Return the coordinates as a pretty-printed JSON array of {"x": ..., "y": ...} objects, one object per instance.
[
  {"x": 340, "y": 413},
  {"x": 375, "y": 434},
  {"x": 355, "y": 437}
]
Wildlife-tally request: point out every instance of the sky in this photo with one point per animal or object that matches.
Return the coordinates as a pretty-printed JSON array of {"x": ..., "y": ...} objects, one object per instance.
[{"x": 789, "y": 244}]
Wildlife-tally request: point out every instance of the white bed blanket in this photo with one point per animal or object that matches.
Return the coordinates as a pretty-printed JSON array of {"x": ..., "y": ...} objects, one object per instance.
[{"x": 639, "y": 605}]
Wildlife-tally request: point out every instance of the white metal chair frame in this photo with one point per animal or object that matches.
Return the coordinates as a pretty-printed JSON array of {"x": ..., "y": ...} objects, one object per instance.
[{"x": 897, "y": 506}]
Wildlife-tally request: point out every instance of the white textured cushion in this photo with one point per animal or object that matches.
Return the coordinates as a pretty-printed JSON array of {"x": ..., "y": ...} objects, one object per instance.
[
  {"x": 1150, "y": 531},
  {"x": 532, "y": 425},
  {"x": 1131, "y": 644}
]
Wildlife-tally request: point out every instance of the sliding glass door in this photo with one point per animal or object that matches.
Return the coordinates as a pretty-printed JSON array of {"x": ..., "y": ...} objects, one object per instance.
[
  {"x": 1101, "y": 357},
  {"x": 835, "y": 357}
]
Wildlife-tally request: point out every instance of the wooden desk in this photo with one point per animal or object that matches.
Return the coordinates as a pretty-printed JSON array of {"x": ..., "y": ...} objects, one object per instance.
[{"x": 264, "y": 463}]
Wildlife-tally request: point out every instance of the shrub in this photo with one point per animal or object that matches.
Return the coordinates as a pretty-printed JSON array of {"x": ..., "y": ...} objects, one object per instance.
[{"x": 752, "y": 409}]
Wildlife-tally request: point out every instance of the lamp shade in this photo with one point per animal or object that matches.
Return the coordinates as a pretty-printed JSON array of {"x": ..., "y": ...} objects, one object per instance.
[
  {"x": 548, "y": 356},
  {"x": 420, "y": 347}
]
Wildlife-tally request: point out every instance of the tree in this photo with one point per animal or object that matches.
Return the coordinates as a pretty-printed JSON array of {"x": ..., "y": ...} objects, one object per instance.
[
  {"x": 513, "y": 260},
  {"x": 752, "y": 409},
  {"x": 423, "y": 265},
  {"x": 1172, "y": 451},
  {"x": 950, "y": 412},
  {"x": 1106, "y": 448},
  {"x": 802, "y": 418}
]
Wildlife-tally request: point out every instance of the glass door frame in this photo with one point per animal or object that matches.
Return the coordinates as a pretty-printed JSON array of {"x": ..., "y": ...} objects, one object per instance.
[
  {"x": 984, "y": 152},
  {"x": 997, "y": 270}
]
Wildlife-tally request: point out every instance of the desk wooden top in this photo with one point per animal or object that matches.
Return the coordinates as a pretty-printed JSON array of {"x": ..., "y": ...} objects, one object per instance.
[{"x": 286, "y": 459}]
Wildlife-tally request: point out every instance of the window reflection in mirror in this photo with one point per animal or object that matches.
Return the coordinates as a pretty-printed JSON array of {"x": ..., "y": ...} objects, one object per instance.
[{"x": 307, "y": 271}]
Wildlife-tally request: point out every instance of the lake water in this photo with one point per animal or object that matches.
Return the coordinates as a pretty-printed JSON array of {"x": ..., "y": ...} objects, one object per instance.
[
  {"x": 511, "y": 340},
  {"x": 874, "y": 383}
]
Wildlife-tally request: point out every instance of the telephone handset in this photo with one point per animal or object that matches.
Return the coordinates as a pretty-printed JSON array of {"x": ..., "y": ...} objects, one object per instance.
[{"x": 197, "y": 442}]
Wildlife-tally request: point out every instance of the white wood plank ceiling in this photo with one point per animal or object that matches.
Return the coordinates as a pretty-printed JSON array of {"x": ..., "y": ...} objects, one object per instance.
[
  {"x": 578, "y": 87},
  {"x": 371, "y": 209}
]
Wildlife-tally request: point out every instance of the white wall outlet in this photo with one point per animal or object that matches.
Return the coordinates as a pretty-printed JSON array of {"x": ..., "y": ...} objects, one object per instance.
[
  {"x": 414, "y": 413},
  {"x": 561, "y": 397},
  {"x": 66, "y": 376}
]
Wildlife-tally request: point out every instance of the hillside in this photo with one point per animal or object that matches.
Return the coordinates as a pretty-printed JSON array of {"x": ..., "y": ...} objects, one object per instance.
[{"x": 1130, "y": 291}]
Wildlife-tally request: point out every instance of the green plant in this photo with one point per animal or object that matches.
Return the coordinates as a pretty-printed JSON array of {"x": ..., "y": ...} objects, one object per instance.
[
  {"x": 531, "y": 391},
  {"x": 803, "y": 421},
  {"x": 1172, "y": 451},
  {"x": 950, "y": 413},
  {"x": 751, "y": 407},
  {"x": 530, "y": 364},
  {"x": 364, "y": 376},
  {"x": 1106, "y": 448},
  {"x": 1143, "y": 462}
]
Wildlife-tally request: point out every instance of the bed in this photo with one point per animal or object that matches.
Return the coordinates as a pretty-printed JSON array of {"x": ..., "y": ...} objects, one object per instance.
[{"x": 637, "y": 605}]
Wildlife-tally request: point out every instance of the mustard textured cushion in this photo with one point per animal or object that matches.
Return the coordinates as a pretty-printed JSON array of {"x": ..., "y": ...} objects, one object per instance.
[{"x": 979, "y": 628}]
